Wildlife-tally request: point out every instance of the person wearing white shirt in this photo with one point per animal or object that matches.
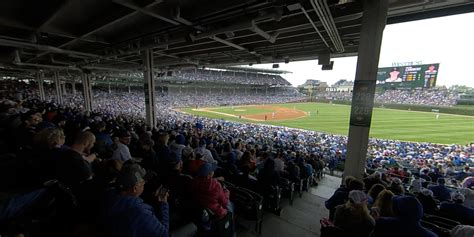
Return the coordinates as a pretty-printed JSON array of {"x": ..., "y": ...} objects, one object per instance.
[
  {"x": 205, "y": 153},
  {"x": 122, "y": 153}
]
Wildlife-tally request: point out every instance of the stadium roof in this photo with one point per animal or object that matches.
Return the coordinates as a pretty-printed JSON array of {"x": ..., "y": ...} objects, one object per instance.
[
  {"x": 94, "y": 35},
  {"x": 252, "y": 70}
]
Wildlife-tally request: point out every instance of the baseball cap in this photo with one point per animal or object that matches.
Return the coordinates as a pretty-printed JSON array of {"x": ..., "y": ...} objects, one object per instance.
[
  {"x": 130, "y": 175},
  {"x": 206, "y": 168},
  {"x": 357, "y": 196}
]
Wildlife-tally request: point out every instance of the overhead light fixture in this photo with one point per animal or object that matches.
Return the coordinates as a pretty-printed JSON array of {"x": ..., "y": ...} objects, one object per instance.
[{"x": 328, "y": 66}]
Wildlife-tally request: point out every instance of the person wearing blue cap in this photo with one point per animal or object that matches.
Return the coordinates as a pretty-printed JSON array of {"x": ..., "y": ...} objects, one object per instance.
[
  {"x": 127, "y": 215},
  {"x": 209, "y": 193},
  {"x": 176, "y": 145}
]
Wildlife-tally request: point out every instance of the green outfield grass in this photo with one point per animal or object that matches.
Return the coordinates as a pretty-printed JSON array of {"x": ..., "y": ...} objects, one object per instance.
[{"x": 386, "y": 123}]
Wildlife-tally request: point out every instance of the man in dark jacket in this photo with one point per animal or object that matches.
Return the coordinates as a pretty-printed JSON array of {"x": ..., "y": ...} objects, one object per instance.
[
  {"x": 127, "y": 215},
  {"x": 457, "y": 211},
  {"x": 340, "y": 196},
  {"x": 73, "y": 167},
  {"x": 408, "y": 211},
  {"x": 440, "y": 192}
]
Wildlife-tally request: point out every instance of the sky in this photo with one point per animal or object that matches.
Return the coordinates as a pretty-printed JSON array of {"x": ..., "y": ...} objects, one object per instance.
[{"x": 445, "y": 40}]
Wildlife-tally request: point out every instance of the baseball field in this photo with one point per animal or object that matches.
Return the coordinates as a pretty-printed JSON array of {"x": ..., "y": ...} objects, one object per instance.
[{"x": 332, "y": 118}]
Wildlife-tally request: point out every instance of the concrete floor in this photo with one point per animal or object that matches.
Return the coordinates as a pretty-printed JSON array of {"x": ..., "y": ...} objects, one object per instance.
[{"x": 299, "y": 220}]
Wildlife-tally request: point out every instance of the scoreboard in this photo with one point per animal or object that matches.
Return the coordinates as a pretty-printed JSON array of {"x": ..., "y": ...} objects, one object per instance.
[{"x": 414, "y": 76}]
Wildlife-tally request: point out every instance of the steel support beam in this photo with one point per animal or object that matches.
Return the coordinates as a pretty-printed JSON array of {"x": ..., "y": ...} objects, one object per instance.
[
  {"x": 63, "y": 88},
  {"x": 57, "y": 87},
  {"x": 87, "y": 91},
  {"x": 39, "y": 80},
  {"x": 108, "y": 24},
  {"x": 373, "y": 24},
  {"x": 73, "y": 85},
  {"x": 149, "y": 87}
]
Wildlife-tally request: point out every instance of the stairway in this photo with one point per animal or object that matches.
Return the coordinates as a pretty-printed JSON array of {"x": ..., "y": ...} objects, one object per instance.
[{"x": 299, "y": 220}]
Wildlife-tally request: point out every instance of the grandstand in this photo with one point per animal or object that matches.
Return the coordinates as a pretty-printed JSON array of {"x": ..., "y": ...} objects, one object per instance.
[{"x": 92, "y": 142}]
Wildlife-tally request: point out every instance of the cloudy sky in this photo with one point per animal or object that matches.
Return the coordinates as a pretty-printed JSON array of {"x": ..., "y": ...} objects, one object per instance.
[{"x": 445, "y": 40}]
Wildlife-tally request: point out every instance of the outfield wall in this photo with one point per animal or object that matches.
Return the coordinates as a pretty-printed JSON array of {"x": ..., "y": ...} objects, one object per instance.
[{"x": 422, "y": 108}]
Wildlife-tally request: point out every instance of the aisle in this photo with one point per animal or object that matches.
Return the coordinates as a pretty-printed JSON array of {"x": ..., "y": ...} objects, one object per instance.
[{"x": 301, "y": 219}]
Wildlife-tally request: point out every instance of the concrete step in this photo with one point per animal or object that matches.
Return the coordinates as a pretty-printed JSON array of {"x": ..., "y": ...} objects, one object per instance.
[{"x": 299, "y": 220}]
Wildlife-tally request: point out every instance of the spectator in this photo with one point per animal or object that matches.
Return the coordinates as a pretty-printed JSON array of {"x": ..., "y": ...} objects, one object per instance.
[
  {"x": 462, "y": 231},
  {"x": 456, "y": 210},
  {"x": 103, "y": 141},
  {"x": 209, "y": 193},
  {"x": 48, "y": 144},
  {"x": 469, "y": 197},
  {"x": 340, "y": 196},
  {"x": 122, "y": 152},
  {"x": 74, "y": 165},
  {"x": 416, "y": 184},
  {"x": 383, "y": 204},
  {"x": 353, "y": 216},
  {"x": 268, "y": 178},
  {"x": 374, "y": 192},
  {"x": 127, "y": 215},
  {"x": 162, "y": 150},
  {"x": 177, "y": 145},
  {"x": 408, "y": 213},
  {"x": 426, "y": 198},
  {"x": 150, "y": 160},
  {"x": 463, "y": 174},
  {"x": 373, "y": 179},
  {"x": 23, "y": 135},
  {"x": 205, "y": 153},
  {"x": 441, "y": 192},
  {"x": 396, "y": 187}
]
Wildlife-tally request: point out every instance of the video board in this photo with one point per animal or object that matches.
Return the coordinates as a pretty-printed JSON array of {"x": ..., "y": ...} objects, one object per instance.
[{"x": 414, "y": 76}]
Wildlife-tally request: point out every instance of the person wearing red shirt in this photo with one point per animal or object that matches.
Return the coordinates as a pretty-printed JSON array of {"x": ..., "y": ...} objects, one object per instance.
[{"x": 209, "y": 193}]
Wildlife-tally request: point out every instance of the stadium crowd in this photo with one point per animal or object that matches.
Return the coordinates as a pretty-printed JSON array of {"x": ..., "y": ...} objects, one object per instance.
[
  {"x": 435, "y": 97},
  {"x": 134, "y": 180},
  {"x": 231, "y": 77}
]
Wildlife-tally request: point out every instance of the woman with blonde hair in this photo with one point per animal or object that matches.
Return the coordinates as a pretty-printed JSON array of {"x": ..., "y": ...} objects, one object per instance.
[
  {"x": 383, "y": 204},
  {"x": 49, "y": 139},
  {"x": 47, "y": 149},
  {"x": 353, "y": 216}
]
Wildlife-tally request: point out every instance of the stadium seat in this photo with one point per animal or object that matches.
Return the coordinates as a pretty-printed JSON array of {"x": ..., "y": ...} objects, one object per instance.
[
  {"x": 288, "y": 189},
  {"x": 247, "y": 203},
  {"x": 329, "y": 230},
  {"x": 441, "y": 232},
  {"x": 441, "y": 221},
  {"x": 47, "y": 211},
  {"x": 299, "y": 187}
]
